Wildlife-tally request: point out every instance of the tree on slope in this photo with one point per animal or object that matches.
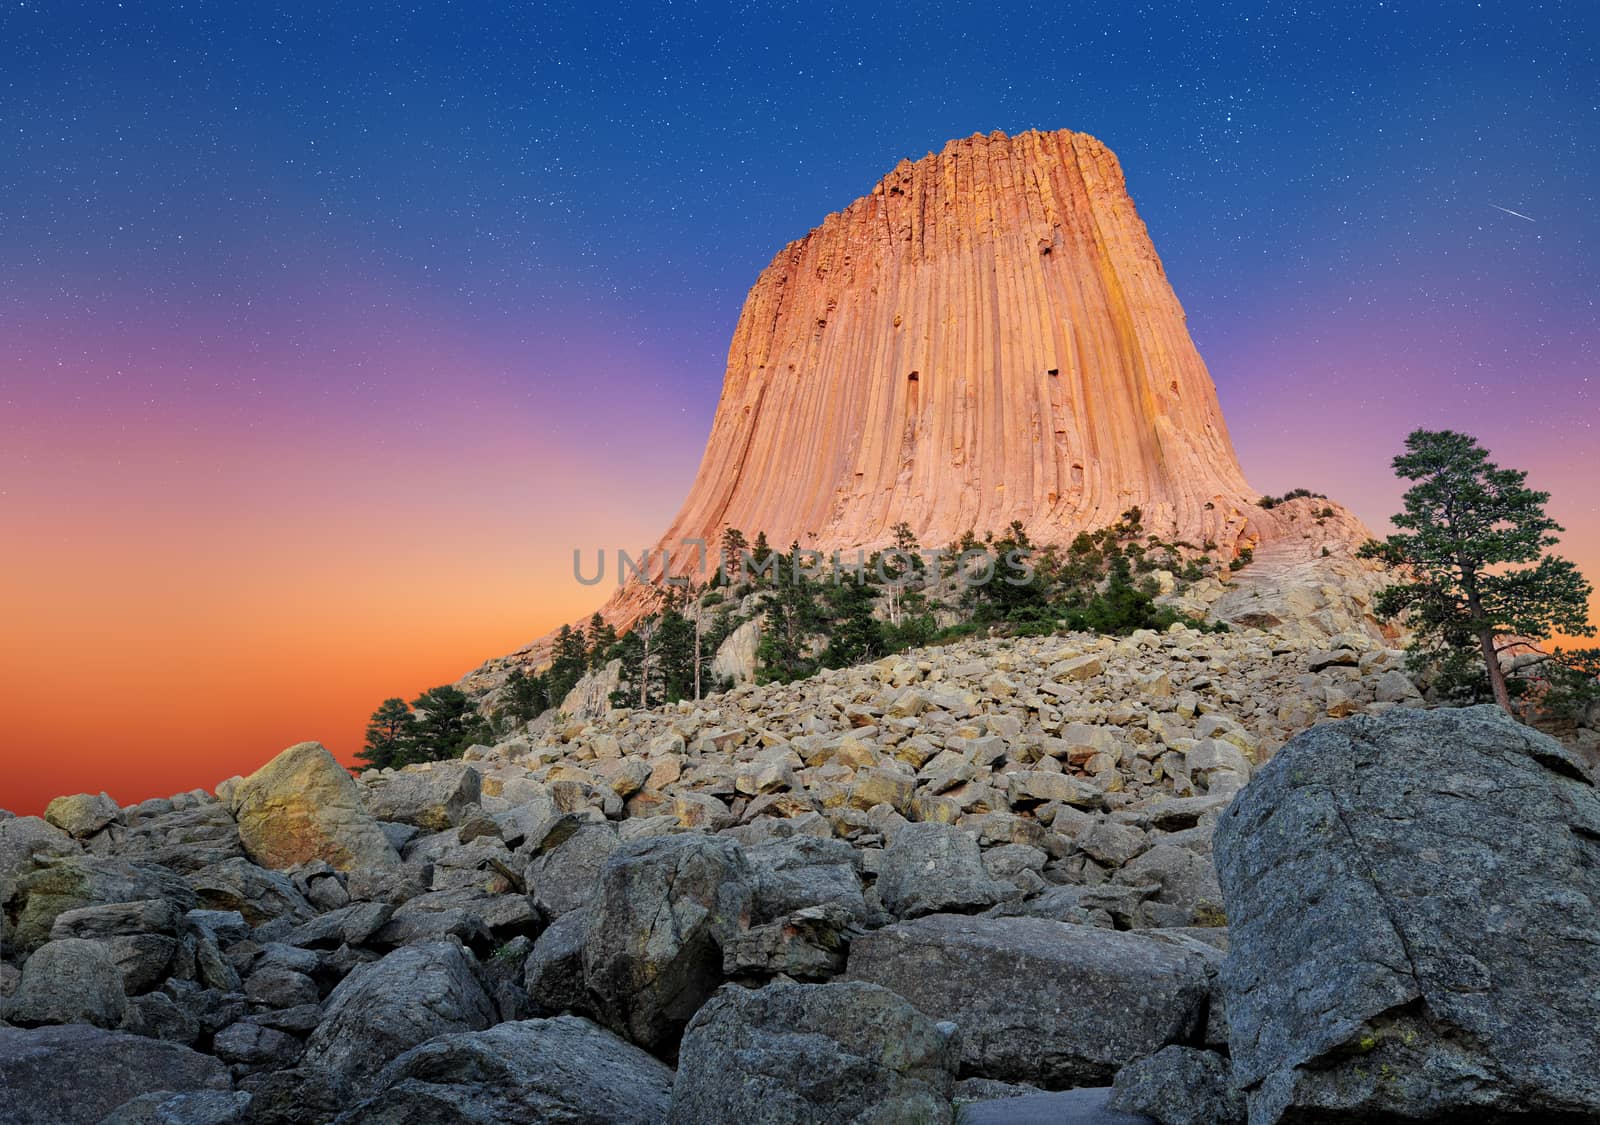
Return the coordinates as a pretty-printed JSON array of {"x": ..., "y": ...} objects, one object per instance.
[
  {"x": 389, "y": 735},
  {"x": 447, "y": 722},
  {"x": 569, "y": 659},
  {"x": 1474, "y": 538},
  {"x": 602, "y": 639},
  {"x": 525, "y": 697}
]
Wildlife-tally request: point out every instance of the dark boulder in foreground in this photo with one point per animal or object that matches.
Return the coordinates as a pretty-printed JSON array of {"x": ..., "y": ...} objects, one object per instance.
[
  {"x": 69, "y": 981},
  {"x": 1414, "y": 904},
  {"x": 792, "y": 1054},
  {"x": 387, "y": 1007},
  {"x": 652, "y": 947},
  {"x": 1180, "y": 1086},
  {"x": 1038, "y": 1001},
  {"x": 558, "y": 1070},
  {"x": 76, "y": 1074}
]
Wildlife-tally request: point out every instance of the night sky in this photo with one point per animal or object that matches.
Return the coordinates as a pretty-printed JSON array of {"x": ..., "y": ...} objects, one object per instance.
[{"x": 328, "y": 330}]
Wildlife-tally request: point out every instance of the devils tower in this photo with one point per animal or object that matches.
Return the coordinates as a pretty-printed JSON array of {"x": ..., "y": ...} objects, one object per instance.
[{"x": 987, "y": 336}]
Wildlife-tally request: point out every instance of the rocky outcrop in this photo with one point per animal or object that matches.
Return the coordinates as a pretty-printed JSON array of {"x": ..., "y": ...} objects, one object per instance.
[
  {"x": 793, "y": 1054},
  {"x": 590, "y": 697},
  {"x": 1180, "y": 1086},
  {"x": 69, "y": 981},
  {"x": 1052, "y": 800},
  {"x": 1037, "y": 1001},
  {"x": 303, "y": 806},
  {"x": 77, "y": 1075},
  {"x": 432, "y": 796},
  {"x": 652, "y": 949},
  {"x": 735, "y": 661},
  {"x": 1412, "y": 903},
  {"x": 987, "y": 336},
  {"x": 83, "y": 814},
  {"x": 560, "y": 1070},
  {"x": 384, "y": 1009},
  {"x": 1294, "y": 592}
]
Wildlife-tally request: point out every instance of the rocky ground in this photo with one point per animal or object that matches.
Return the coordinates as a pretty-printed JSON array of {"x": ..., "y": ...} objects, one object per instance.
[{"x": 979, "y": 876}]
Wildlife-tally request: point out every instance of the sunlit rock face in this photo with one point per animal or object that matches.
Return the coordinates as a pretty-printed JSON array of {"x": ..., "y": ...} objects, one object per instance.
[{"x": 986, "y": 336}]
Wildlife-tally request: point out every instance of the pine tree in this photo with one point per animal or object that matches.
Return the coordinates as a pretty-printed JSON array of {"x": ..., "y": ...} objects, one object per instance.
[
  {"x": 1473, "y": 537},
  {"x": 390, "y": 734},
  {"x": 569, "y": 659},
  {"x": 1006, "y": 596},
  {"x": 792, "y": 617},
  {"x": 446, "y": 723},
  {"x": 674, "y": 644},
  {"x": 855, "y": 635},
  {"x": 760, "y": 552},
  {"x": 1571, "y": 683},
  {"x": 602, "y": 639},
  {"x": 525, "y": 697},
  {"x": 733, "y": 548}
]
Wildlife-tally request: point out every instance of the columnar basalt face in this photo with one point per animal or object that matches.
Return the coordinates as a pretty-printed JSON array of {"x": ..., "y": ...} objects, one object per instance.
[{"x": 988, "y": 336}]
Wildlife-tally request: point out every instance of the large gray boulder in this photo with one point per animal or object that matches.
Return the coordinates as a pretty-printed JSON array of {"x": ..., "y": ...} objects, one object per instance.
[
  {"x": 23, "y": 841},
  {"x": 1048, "y": 1003},
  {"x": 387, "y": 1007},
  {"x": 257, "y": 894},
  {"x": 82, "y": 814},
  {"x": 69, "y": 981},
  {"x": 303, "y": 806},
  {"x": 76, "y": 1075},
  {"x": 553, "y": 971},
  {"x": 564, "y": 1070},
  {"x": 564, "y": 871},
  {"x": 433, "y": 796},
  {"x": 199, "y": 1107},
  {"x": 933, "y": 868},
  {"x": 56, "y": 886},
  {"x": 1180, "y": 1086},
  {"x": 804, "y": 871},
  {"x": 1413, "y": 901},
  {"x": 141, "y": 938},
  {"x": 794, "y": 1054},
  {"x": 652, "y": 950}
]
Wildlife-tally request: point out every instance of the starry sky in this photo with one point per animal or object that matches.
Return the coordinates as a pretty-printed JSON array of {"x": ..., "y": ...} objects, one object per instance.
[{"x": 328, "y": 330}]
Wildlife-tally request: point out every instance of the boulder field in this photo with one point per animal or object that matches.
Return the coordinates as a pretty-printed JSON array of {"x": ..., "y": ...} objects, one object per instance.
[{"x": 1177, "y": 877}]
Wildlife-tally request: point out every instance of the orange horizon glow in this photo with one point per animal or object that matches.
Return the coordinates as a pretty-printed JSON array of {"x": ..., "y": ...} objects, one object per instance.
[{"x": 186, "y": 607}]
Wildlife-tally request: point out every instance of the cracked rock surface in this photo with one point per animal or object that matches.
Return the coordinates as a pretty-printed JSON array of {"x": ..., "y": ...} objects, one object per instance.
[{"x": 1413, "y": 904}]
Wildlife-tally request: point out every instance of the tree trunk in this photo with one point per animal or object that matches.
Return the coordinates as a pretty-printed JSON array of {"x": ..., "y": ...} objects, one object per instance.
[
  {"x": 1491, "y": 658},
  {"x": 1497, "y": 677},
  {"x": 697, "y": 654},
  {"x": 644, "y": 669}
]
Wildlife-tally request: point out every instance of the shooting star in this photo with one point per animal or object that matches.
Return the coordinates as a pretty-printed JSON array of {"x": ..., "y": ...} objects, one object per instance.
[{"x": 1509, "y": 211}]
